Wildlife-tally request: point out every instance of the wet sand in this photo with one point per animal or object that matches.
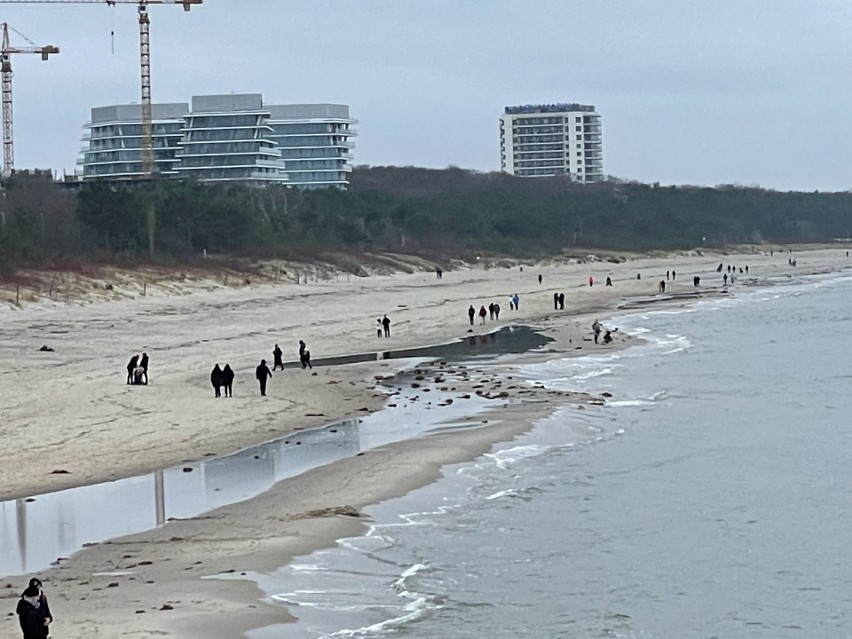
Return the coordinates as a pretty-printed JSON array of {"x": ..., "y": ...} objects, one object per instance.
[{"x": 72, "y": 421}]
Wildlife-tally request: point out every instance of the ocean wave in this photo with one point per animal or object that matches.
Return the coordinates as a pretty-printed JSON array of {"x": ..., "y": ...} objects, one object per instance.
[{"x": 415, "y": 610}]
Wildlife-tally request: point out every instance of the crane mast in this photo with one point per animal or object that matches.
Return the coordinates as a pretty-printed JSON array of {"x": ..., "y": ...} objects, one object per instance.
[
  {"x": 147, "y": 152},
  {"x": 6, "y": 51}
]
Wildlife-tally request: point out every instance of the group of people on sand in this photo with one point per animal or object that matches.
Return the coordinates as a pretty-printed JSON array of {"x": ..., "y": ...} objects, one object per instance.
[
  {"x": 597, "y": 329},
  {"x": 137, "y": 369},
  {"x": 34, "y": 614},
  {"x": 382, "y": 327},
  {"x": 223, "y": 378},
  {"x": 493, "y": 313}
]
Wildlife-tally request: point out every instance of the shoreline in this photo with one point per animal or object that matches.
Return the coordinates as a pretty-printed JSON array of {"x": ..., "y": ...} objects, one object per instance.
[{"x": 240, "y": 535}]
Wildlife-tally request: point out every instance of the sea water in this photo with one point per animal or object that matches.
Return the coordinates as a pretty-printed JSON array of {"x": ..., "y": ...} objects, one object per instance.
[{"x": 708, "y": 498}]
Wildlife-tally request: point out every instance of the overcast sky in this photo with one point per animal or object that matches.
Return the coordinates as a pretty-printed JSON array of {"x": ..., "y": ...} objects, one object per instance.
[{"x": 753, "y": 92}]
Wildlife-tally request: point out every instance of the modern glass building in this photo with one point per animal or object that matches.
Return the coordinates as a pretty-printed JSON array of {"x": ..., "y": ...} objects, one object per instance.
[
  {"x": 315, "y": 142},
  {"x": 539, "y": 140},
  {"x": 114, "y": 141},
  {"x": 225, "y": 138}
]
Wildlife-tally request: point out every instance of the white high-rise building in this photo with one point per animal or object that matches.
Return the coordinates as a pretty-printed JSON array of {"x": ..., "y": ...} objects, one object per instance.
[
  {"x": 316, "y": 142},
  {"x": 233, "y": 138},
  {"x": 114, "y": 141},
  {"x": 538, "y": 140},
  {"x": 227, "y": 138}
]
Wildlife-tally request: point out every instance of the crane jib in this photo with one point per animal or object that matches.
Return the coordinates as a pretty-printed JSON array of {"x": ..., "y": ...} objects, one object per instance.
[{"x": 149, "y": 167}]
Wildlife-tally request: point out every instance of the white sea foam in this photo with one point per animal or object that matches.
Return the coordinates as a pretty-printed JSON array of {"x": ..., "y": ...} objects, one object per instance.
[{"x": 506, "y": 457}]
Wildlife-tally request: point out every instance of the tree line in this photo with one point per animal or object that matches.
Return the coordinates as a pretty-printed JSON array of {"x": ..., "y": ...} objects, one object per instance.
[{"x": 450, "y": 212}]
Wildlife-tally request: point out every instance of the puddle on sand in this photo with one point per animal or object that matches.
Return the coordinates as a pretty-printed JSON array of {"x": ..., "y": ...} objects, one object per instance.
[
  {"x": 35, "y": 532},
  {"x": 506, "y": 341}
]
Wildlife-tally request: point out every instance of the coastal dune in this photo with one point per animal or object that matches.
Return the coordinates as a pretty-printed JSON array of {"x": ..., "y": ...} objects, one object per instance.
[{"x": 70, "y": 420}]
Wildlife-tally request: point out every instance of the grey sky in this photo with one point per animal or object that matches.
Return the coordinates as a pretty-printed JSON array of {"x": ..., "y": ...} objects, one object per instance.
[{"x": 729, "y": 91}]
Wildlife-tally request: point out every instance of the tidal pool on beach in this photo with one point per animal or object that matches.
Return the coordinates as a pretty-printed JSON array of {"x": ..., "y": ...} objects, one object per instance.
[{"x": 37, "y": 531}]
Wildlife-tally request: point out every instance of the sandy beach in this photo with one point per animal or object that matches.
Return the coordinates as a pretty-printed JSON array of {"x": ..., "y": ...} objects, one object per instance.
[{"x": 70, "y": 420}]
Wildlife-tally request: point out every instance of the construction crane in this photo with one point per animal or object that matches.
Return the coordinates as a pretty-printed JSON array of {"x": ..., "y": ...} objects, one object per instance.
[
  {"x": 148, "y": 163},
  {"x": 6, "y": 51}
]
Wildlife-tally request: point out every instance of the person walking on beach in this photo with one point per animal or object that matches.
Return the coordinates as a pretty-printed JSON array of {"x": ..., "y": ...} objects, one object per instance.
[
  {"x": 596, "y": 329},
  {"x": 471, "y": 313},
  {"x": 609, "y": 279},
  {"x": 216, "y": 380},
  {"x": 517, "y": 301},
  {"x": 556, "y": 301},
  {"x": 674, "y": 275},
  {"x": 696, "y": 281},
  {"x": 482, "y": 314},
  {"x": 277, "y": 353},
  {"x": 131, "y": 366},
  {"x": 304, "y": 355},
  {"x": 539, "y": 278},
  {"x": 378, "y": 327},
  {"x": 496, "y": 311},
  {"x": 667, "y": 275},
  {"x": 662, "y": 286},
  {"x": 591, "y": 280},
  {"x": 262, "y": 373},
  {"x": 144, "y": 364},
  {"x": 562, "y": 301},
  {"x": 386, "y": 325},
  {"x": 228, "y": 380},
  {"x": 33, "y": 615}
]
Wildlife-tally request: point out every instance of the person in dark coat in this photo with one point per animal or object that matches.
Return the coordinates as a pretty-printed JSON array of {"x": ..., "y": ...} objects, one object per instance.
[
  {"x": 144, "y": 364},
  {"x": 276, "y": 358},
  {"x": 228, "y": 380},
  {"x": 482, "y": 314},
  {"x": 33, "y": 619},
  {"x": 471, "y": 313},
  {"x": 304, "y": 355},
  {"x": 386, "y": 325},
  {"x": 216, "y": 380},
  {"x": 131, "y": 366},
  {"x": 262, "y": 373},
  {"x": 44, "y": 608}
]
